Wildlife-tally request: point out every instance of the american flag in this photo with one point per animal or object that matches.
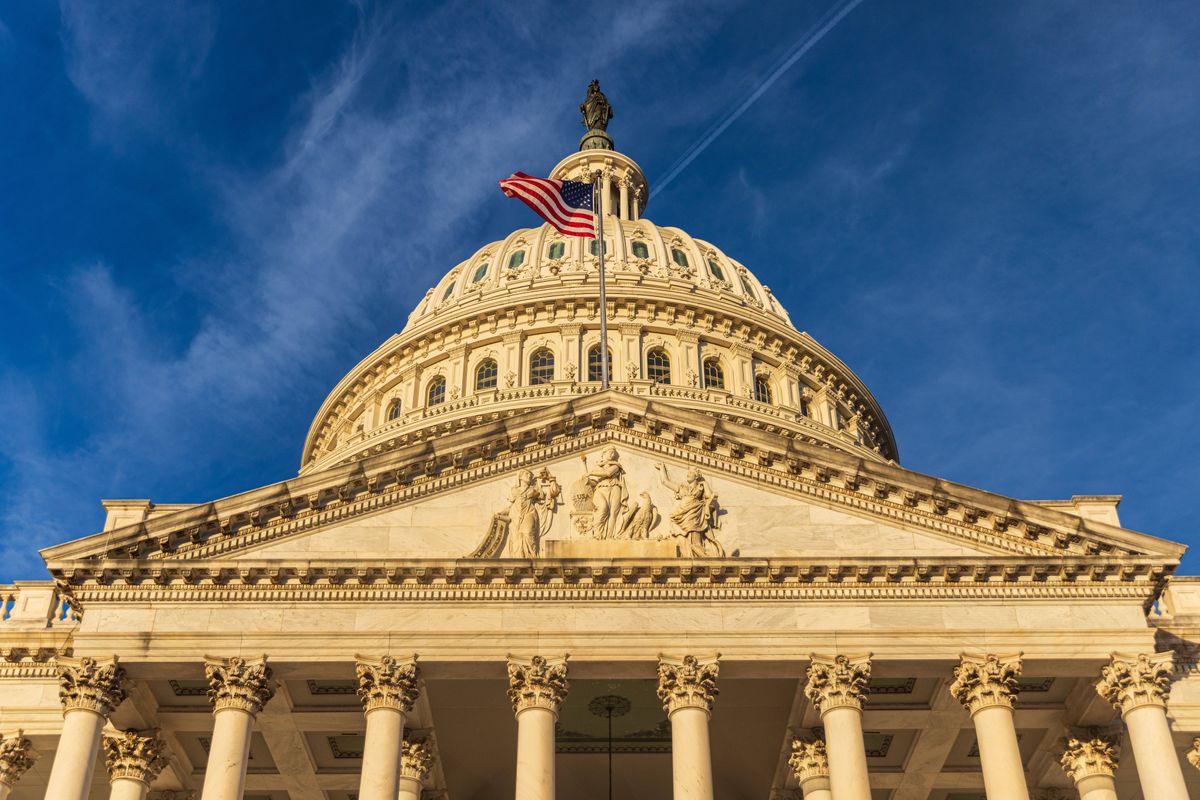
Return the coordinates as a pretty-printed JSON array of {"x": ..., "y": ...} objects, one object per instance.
[{"x": 566, "y": 205}]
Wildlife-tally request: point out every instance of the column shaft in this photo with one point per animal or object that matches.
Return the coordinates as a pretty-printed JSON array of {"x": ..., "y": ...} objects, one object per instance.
[
  {"x": 691, "y": 758},
  {"x": 817, "y": 789},
  {"x": 1154, "y": 752},
  {"x": 128, "y": 789},
  {"x": 1003, "y": 772},
  {"x": 1097, "y": 787},
  {"x": 381, "y": 754},
  {"x": 225, "y": 775},
  {"x": 535, "y": 754},
  {"x": 410, "y": 789},
  {"x": 847, "y": 754},
  {"x": 75, "y": 758},
  {"x": 624, "y": 200}
]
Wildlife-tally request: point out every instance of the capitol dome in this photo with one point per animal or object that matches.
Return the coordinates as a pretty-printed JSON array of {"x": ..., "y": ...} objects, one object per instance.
[{"x": 515, "y": 328}]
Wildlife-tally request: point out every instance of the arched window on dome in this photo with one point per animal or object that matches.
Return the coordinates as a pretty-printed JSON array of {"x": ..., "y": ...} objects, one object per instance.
[
  {"x": 557, "y": 249},
  {"x": 715, "y": 269},
  {"x": 393, "y": 410},
  {"x": 516, "y": 259},
  {"x": 714, "y": 375},
  {"x": 746, "y": 287},
  {"x": 593, "y": 248},
  {"x": 762, "y": 389},
  {"x": 435, "y": 394},
  {"x": 593, "y": 363},
  {"x": 658, "y": 366},
  {"x": 679, "y": 257},
  {"x": 480, "y": 273},
  {"x": 541, "y": 367},
  {"x": 449, "y": 291},
  {"x": 640, "y": 250},
  {"x": 485, "y": 374}
]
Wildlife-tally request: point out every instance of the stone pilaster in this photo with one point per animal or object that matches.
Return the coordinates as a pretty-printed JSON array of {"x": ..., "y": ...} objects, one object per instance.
[
  {"x": 239, "y": 683},
  {"x": 838, "y": 682},
  {"x": 1083, "y": 758},
  {"x": 387, "y": 682},
  {"x": 689, "y": 683},
  {"x": 987, "y": 680},
  {"x": 133, "y": 756},
  {"x": 1130, "y": 681},
  {"x": 416, "y": 759},
  {"x": 91, "y": 685},
  {"x": 537, "y": 683},
  {"x": 16, "y": 757}
]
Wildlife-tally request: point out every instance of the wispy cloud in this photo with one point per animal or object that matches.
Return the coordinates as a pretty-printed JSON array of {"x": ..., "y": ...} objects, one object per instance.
[{"x": 330, "y": 246}]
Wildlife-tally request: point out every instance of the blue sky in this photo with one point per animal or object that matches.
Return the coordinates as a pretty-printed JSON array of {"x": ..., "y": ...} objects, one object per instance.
[{"x": 210, "y": 212}]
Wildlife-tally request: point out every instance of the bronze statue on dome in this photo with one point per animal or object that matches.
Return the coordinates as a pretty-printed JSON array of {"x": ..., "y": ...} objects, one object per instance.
[{"x": 596, "y": 113}]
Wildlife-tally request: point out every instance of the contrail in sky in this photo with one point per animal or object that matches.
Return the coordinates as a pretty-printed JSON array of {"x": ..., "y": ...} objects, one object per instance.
[{"x": 824, "y": 25}]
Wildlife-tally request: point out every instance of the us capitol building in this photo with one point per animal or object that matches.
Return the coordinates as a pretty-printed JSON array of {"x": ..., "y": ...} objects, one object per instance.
[{"x": 492, "y": 580}]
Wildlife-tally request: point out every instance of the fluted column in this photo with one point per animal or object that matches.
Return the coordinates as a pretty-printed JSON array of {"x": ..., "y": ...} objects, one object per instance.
[
  {"x": 238, "y": 689},
  {"x": 837, "y": 685},
  {"x": 16, "y": 757},
  {"x": 89, "y": 690},
  {"x": 1138, "y": 686},
  {"x": 133, "y": 762},
  {"x": 416, "y": 757},
  {"x": 1090, "y": 763},
  {"x": 687, "y": 690},
  {"x": 986, "y": 685},
  {"x": 388, "y": 689},
  {"x": 810, "y": 765},
  {"x": 536, "y": 688}
]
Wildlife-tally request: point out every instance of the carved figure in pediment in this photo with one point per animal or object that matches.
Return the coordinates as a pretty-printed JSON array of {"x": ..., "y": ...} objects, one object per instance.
[
  {"x": 609, "y": 495},
  {"x": 695, "y": 515},
  {"x": 641, "y": 520},
  {"x": 531, "y": 512}
]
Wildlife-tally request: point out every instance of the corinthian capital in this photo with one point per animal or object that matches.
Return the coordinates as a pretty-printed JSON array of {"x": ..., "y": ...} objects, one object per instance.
[
  {"x": 16, "y": 757},
  {"x": 1084, "y": 758},
  {"x": 416, "y": 758},
  {"x": 239, "y": 683},
  {"x": 387, "y": 682},
  {"x": 90, "y": 684},
  {"x": 1130, "y": 681},
  {"x": 838, "y": 681},
  {"x": 537, "y": 683},
  {"x": 128, "y": 754},
  {"x": 690, "y": 683},
  {"x": 808, "y": 760},
  {"x": 986, "y": 680}
]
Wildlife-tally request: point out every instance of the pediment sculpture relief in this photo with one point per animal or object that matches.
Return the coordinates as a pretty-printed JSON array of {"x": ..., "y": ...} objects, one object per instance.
[
  {"x": 600, "y": 502},
  {"x": 517, "y": 532},
  {"x": 695, "y": 517}
]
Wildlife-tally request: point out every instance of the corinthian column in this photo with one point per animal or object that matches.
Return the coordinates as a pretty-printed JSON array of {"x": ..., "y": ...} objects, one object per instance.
[
  {"x": 1137, "y": 686},
  {"x": 238, "y": 689},
  {"x": 687, "y": 690},
  {"x": 89, "y": 690},
  {"x": 811, "y": 768},
  {"x": 133, "y": 761},
  {"x": 388, "y": 689},
  {"x": 986, "y": 685},
  {"x": 536, "y": 688},
  {"x": 1091, "y": 765},
  {"x": 838, "y": 686},
  {"x": 416, "y": 757},
  {"x": 15, "y": 759}
]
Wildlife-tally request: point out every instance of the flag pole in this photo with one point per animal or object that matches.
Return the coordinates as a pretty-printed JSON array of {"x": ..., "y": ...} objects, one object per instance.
[{"x": 598, "y": 195}]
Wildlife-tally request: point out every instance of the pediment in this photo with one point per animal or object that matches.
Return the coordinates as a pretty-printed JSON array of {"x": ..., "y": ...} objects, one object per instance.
[{"x": 778, "y": 497}]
